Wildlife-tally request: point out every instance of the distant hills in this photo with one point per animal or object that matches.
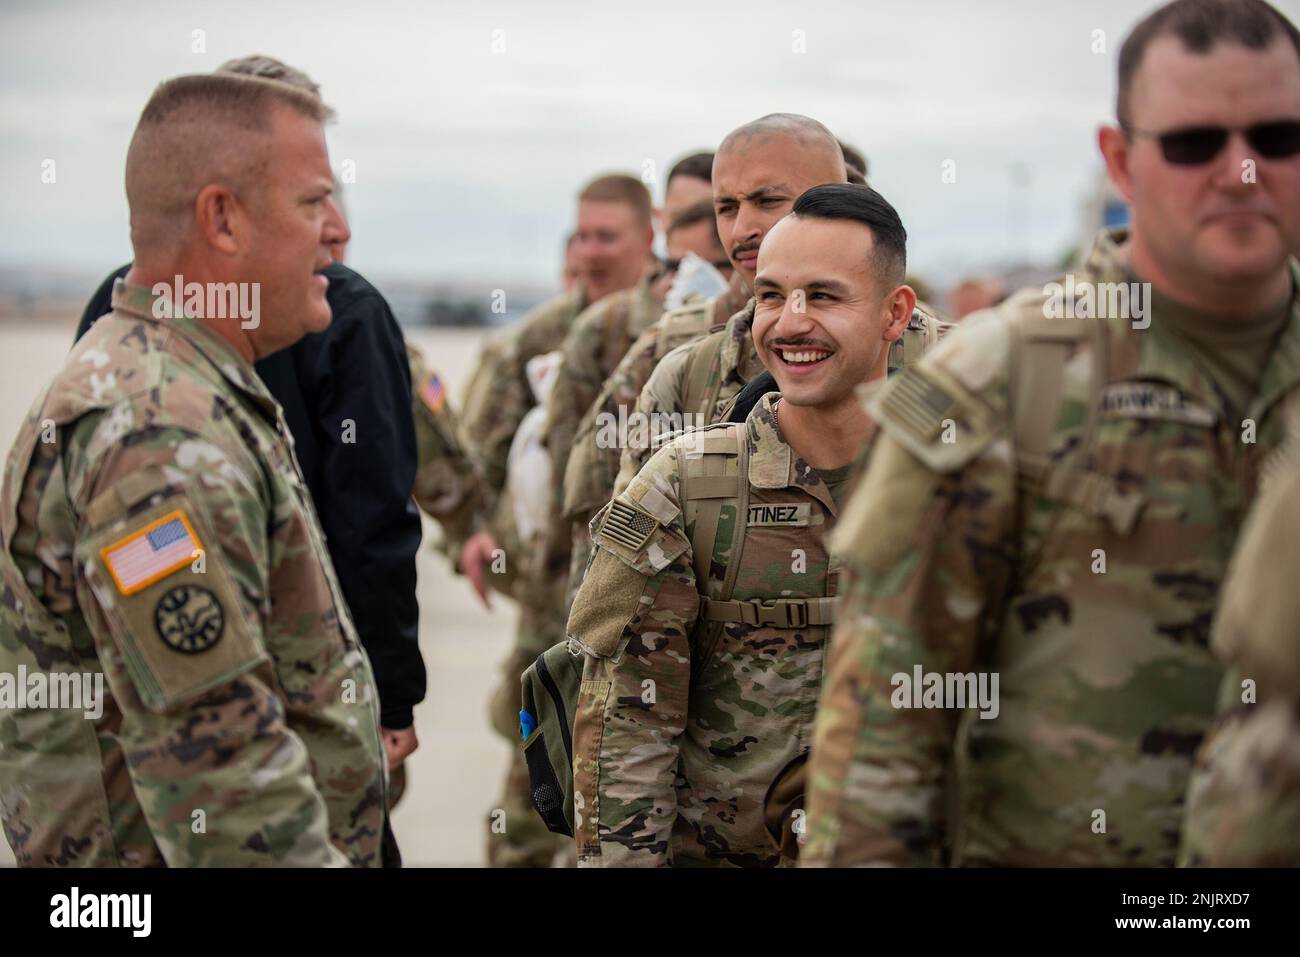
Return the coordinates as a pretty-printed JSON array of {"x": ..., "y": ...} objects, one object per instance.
[{"x": 54, "y": 292}]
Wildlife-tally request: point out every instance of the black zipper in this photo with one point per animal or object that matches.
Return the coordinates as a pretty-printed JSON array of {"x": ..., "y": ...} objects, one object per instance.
[{"x": 554, "y": 690}]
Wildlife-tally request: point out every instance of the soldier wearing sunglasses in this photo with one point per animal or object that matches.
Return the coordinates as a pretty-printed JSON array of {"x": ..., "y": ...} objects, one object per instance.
[{"x": 1054, "y": 500}]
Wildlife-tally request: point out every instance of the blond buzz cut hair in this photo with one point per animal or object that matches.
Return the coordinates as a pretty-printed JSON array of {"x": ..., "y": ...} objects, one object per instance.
[
  {"x": 197, "y": 130},
  {"x": 620, "y": 188},
  {"x": 269, "y": 68}
]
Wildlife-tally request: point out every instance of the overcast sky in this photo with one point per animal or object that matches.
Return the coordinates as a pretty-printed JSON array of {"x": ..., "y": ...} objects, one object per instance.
[{"x": 467, "y": 159}]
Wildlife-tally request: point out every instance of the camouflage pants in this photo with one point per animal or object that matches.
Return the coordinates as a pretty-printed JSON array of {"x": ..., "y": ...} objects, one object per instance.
[{"x": 516, "y": 836}]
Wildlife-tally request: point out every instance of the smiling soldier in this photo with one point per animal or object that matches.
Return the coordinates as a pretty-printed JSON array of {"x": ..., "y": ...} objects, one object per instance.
[{"x": 705, "y": 612}]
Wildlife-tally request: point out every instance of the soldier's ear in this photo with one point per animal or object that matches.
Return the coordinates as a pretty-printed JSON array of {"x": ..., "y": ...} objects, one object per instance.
[
  {"x": 898, "y": 306},
  {"x": 216, "y": 218},
  {"x": 1113, "y": 143}
]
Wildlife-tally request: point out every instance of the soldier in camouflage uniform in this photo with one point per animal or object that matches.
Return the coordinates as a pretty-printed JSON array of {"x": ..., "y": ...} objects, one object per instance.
[
  {"x": 593, "y": 463},
  {"x": 155, "y": 528},
  {"x": 705, "y": 611},
  {"x": 598, "y": 341},
  {"x": 499, "y": 397},
  {"x": 1243, "y": 803},
  {"x": 759, "y": 170},
  {"x": 446, "y": 485},
  {"x": 792, "y": 151},
  {"x": 1054, "y": 493}
]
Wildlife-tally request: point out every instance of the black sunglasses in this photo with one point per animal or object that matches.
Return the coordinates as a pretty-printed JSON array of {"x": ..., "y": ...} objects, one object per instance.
[{"x": 1194, "y": 145}]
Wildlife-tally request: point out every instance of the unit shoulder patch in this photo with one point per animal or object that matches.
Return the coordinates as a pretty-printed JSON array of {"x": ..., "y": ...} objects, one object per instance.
[
  {"x": 433, "y": 394},
  {"x": 168, "y": 597},
  {"x": 628, "y": 525},
  {"x": 151, "y": 552},
  {"x": 189, "y": 619},
  {"x": 934, "y": 417}
]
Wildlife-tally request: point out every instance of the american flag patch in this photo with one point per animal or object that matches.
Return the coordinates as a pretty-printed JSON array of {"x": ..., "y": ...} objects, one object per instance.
[
  {"x": 433, "y": 393},
  {"x": 151, "y": 552},
  {"x": 628, "y": 526},
  {"x": 918, "y": 405}
]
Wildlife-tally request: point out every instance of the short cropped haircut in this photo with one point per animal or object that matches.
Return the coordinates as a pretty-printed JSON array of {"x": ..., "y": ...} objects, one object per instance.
[
  {"x": 1200, "y": 24},
  {"x": 196, "y": 130},
  {"x": 269, "y": 68},
  {"x": 697, "y": 212},
  {"x": 696, "y": 166},
  {"x": 862, "y": 204},
  {"x": 620, "y": 188}
]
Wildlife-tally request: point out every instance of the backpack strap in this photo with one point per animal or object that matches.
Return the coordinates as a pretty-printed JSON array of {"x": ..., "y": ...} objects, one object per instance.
[
  {"x": 702, "y": 464},
  {"x": 713, "y": 490},
  {"x": 708, "y": 484},
  {"x": 703, "y": 381},
  {"x": 1040, "y": 349},
  {"x": 691, "y": 321},
  {"x": 781, "y": 613}
]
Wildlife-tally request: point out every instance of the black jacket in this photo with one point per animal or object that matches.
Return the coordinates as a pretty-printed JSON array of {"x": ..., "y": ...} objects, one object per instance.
[{"x": 356, "y": 369}]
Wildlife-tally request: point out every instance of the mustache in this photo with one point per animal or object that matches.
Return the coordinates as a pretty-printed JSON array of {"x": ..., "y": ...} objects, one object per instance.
[
  {"x": 744, "y": 248},
  {"x": 821, "y": 345}
]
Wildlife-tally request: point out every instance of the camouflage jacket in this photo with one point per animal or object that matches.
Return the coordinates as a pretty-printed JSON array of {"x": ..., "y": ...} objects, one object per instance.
[
  {"x": 499, "y": 396},
  {"x": 1243, "y": 803},
  {"x": 594, "y": 460},
  {"x": 665, "y": 391},
  {"x": 599, "y": 338},
  {"x": 691, "y": 707},
  {"x": 157, "y": 532},
  {"x": 447, "y": 486},
  {"x": 1084, "y": 581}
]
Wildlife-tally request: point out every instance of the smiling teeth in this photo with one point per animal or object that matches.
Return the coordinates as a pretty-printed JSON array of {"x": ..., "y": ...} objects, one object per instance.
[{"x": 804, "y": 356}]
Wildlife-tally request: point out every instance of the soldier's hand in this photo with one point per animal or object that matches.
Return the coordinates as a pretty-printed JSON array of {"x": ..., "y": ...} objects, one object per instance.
[
  {"x": 474, "y": 557},
  {"x": 399, "y": 744}
]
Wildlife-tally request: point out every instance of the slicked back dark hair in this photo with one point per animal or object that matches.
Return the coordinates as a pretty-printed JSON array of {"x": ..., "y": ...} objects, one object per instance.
[
  {"x": 1200, "y": 24},
  {"x": 696, "y": 166},
  {"x": 855, "y": 164},
  {"x": 862, "y": 204}
]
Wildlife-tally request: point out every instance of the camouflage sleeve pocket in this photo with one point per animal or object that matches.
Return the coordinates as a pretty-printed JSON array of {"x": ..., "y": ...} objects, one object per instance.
[
  {"x": 170, "y": 603},
  {"x": 637, "y": 537}
]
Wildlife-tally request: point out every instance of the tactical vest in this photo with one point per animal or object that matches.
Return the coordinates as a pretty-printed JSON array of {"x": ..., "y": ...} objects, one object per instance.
[
  {"x": 713, "y": 463},
  {"x": 692, "y": 320},
  {"x": 1039, "y": 350},
  {"x": 586, "y": 489}
]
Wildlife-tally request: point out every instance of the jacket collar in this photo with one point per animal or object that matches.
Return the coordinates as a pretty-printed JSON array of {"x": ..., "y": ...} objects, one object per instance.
[
  {"x": 140, "y": 302},
  {"x": 772, "y": 463},
  {"x": 739, "y": 358},
  {"x": 1138, "y": 354}
]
